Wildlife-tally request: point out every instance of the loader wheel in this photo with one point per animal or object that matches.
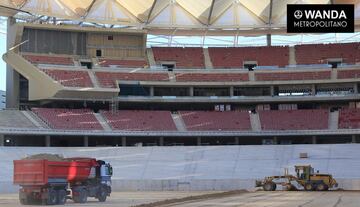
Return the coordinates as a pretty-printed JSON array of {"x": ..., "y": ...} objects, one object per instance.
[
  {"x": 61, "y": 197},
  {"x": 321, "y": 187},
  {"x": 102, "y": 195},
  {"x": 81, "y": 197},
  {"x": 309, "y": 187},
  {"x": 23, "y": 198},
  {"x": 269, "y": 186},
  {"x": 52, "y": 197}
]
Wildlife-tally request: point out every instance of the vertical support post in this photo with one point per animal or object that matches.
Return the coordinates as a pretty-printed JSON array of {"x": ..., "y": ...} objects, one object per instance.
[
  {"x": 356, "y": 90},
  {"x": 151, "y": 90},
  {"x": 198, "y": 140},
  {"x": 314, "y": 140},
  {"x": 86, "y": 141},
  {"x": 275, "y": 140},
  {"x": 47, "y": 141},
  {"x": 272, "y": 91},
  {"x": 191, "y": 91},
  {"x": 231, "y": 90},
  {"x": 2, "y": 139},
  {"x": 123, "y": 141},
  {"x": 268, "y": 39},
  {"x": 313, "y": 89},
  {"x": 161, "y": 141},
  {"x": 237, "y": 141},
  {"x": 353, "y": 138}
]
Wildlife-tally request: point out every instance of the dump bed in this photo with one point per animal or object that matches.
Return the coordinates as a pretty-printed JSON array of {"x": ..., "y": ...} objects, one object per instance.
[{"x": 42, "y": 172}]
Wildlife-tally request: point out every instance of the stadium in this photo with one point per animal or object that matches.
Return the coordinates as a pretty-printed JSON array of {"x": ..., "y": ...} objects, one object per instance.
[{"x": 180, "y": 95}]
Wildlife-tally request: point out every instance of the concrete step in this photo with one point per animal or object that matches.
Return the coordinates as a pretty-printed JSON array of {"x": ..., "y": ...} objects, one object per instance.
[
  {"x": 292, "y": 59},
  {"x": 207, "y": 59},
  {"x": 179, "y": 122},
  {"x": 150, "y": 57},
  {"x": 93, "y": 79},
  {"x": 103, "y": 122},
  {"x": 334, "y": 120},
  {"x": 255, "y": 122},
  {"x": 35, "y": 119}
]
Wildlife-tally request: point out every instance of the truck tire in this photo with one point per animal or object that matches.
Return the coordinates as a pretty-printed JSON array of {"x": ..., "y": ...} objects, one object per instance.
[
  {"x": 61, "y": 197},
  {"x": 81, "y": 197},
  {"x": 52, "y": 197},
  {"x": 321, "y": 187},
  {"x": 23, "y": 198},
  {"x": 309, "y": 186},
  {"x": 269, "y": 186},
  {"x": 102, "y": 195}
]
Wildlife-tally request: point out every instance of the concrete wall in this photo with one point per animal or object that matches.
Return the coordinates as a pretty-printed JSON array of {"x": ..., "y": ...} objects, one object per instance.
[{"x": 202, "y": 168}]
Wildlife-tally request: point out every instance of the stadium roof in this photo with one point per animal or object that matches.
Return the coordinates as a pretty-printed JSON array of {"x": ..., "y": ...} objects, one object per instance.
[{"x": 183, "y": 17}]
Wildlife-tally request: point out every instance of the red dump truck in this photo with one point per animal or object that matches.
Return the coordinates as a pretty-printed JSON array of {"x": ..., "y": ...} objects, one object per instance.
[{"x": 52, "y": 182}]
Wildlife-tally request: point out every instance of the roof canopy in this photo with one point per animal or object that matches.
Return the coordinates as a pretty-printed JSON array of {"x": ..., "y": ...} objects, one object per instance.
[{"x": 184, "y": 17}]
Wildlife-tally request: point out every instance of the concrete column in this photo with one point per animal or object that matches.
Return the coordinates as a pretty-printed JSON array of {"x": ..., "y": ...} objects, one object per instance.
[
  {"x": 313, "y": 138},
  {"x": 272, "y": 91},
  {"x": 231, "y": 90},
  {"x": 268, "y": 39},
  {"x": 123, "y": 141},
  {"x": 356, "y": 88},
  {"x": 353, "y": 138},
  {"x": 313, "y": 89},
  {"x": 237, "y": 140},
  {"x": 191, "y": 92},
  {"x": 86, "y": 141},
  {"x": 161, "y": 141},
  {"x": 275, "y": 140},
  {"x": 198, "y": 140},
  {"x": 151, "y": 90},
  {"x": 47, "y": 141},
  {"x": 2, "y": 138}
]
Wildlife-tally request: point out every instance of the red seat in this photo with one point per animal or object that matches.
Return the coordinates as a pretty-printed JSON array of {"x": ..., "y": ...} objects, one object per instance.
[
  {"x": 54, "y": 60},
  {"x": 287, "y": 76},
  {"x": 211, "y": 77},
  {"x": 191, "y": 57},
  {"x": 70, "y": 78},
  {"x": 108, "y": 79},
  {"x": 123, "y": 63},
  {"x": 349, "y": 119}
]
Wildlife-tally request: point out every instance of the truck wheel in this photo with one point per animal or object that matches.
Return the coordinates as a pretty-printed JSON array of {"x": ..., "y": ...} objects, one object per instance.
[
  {"x": 52, "y": 197},
  {"x": 61, "y": 196},
  {"x": 309, "y": 187},
  {"x": 23, "y": 198},
  {"x": 81, "y": 197},
  {"x": 321, "y": 187},
  {"x": 102, "y": 195},
  {"x": 269, "y": 186}
]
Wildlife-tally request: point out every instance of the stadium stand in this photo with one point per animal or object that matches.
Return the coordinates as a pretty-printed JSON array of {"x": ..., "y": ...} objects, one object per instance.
[
  {"x": 344, "y": 74},
  {"x": 286, "y": 76},
  {"x": 70, "y": 78},
  {"x": 320, "y": 53},
  {"x": 140, "y": 120},
  {"x": 209, "y": 77},
  {"x": 216, "y": 121},
  {"x": 122, "y": 63},
  {"x": 184, "y": 57},
  {"x": 349, "y": 119},
  {"x": 294, "y": 119},
  {"x": 70, "y": 119},
  {"x": 108, "y": 79},
  {"x": 234, "y": 57},
  {"x": 14, "y": 118},
  {"x": 53, "y": 60}
]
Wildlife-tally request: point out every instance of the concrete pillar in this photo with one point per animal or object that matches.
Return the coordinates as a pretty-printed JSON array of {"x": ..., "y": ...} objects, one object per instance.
[
  {"x": 231, "y": 90},
  {"x": 275, "y": 140},
  {"x": 191, "y": 91},
  {"x": 313, "y": 140},
  {"x": 123, "y": 141},
  {"x": 356, "y": 88},
  {"x": 198, "y": 140},
  {"x": 313, "y": 89},
  {"x": 47, "y": 141},
  {"x": 2, "y": 138},
  {"x": 151, "y": 90},
  {"x": 268, "y": 39},
  {"x": 161, "y": 141},
  {"x": 353, "y": 138},
  {"x": 86, "y": 141},
  {"x": 237, "y": 141},
  {"x": 272, "y": 93}
]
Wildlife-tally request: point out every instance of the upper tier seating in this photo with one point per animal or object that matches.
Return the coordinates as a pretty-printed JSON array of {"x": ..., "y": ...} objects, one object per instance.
[
  {"x": 108, "y": 79},
  {"x": 294, "y": 119},
  {"x": 140, "y": 120},
  {"x": 53, "y": 60},
  {"x": 216, "y": 121},
  {"x": 344, "y": 74},
  {"x": 234, "y": 57},
  {"x": 208, "y": 77},
  {"x": 283, "y": 76},
  {"x": 184, "y": 57},
  {"x": 122, "y": 63},
  {"x": 71, "y": 119},
  {"x": 319, "y": 53},
  {"x": 70, "y": 78},
  {"x": 349, "y": 119}
]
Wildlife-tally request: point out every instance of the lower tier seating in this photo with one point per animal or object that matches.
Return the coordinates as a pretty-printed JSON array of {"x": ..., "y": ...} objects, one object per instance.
[
  {"x": 216, "y": 121},
  {"x": 284, "y": 76},
  {"x": 349, "y": 119},
  {"x": 71, "y": 119},
  {"x": 140, "y": 120},
  {"x": 294, "y": 119},
  {"x": 70, "y": 78},
  {"x": 344, "y": 74}
]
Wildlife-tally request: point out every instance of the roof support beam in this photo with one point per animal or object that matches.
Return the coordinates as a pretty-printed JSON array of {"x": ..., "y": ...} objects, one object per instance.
[
  {"x": 210, "y": 12},
  {"x": 150, "y": 12},
  {"x": 88, "y": 9}
]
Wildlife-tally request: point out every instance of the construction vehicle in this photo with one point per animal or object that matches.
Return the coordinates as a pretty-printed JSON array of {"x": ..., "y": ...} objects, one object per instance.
[
  {"x": 53, "y": 182},
  {"x": 305, "y": 177}
]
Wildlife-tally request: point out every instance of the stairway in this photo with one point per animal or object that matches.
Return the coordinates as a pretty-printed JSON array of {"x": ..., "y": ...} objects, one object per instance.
[
  {"x": 150, "y": 57},
  {"x": 334, "y": 120},
  {"x": 179, "y": 123},
  {"x": 35, "y": 119},
  {"x": 207, "y": 59},
  {"x": 102, "y": 121},
  {"x": 255, "y": 122},
  {"x": 93, "y": 79},
  {"x": 292, "y": 59}
]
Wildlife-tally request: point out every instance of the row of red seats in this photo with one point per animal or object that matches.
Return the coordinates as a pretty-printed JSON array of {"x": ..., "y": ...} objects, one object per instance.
[
  {"x": 294, "y": 119},
  {"x": 54, "y": 60},
  {"x": 72, "y": 119},
  {"x": 283, "y": 76},
  {"x": 211, "y": 77},
  {"x": 234, "y": 57},
  {"x": 344, "y": 74},
  {"x": 184, "y": 57},
  {"x": 70, "y": 78},
  {"x": 320, "y": 53},
  {"x": 122, "y": 63},
  {"x": 349, "y": 119}
]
